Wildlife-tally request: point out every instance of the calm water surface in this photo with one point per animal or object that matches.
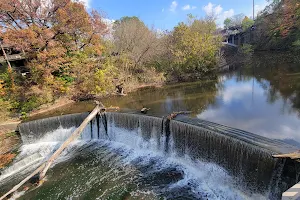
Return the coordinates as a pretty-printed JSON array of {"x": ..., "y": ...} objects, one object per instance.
[{"x": 264, "y": 99}]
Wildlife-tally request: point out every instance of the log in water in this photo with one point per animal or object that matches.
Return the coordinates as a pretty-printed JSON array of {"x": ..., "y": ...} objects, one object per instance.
[{"x": 181, "y": 150}]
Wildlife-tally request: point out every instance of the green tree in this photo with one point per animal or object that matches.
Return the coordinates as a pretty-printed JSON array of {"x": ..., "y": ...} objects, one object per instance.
[
  {"x": 247, "y": 23},
  {"x": 233, "y": 21},
  {"x": 194, "y": 47},
  {"x": 227, "y": 23}
]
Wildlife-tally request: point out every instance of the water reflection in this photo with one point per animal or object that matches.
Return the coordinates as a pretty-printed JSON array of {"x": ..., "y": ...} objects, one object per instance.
[
  {"x": 252, "y": 105},
  {"x": 263, "y": 98}
]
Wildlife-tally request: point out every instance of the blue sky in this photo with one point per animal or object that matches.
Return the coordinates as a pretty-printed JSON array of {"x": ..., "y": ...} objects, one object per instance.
[{"x": 165, "y": 14}]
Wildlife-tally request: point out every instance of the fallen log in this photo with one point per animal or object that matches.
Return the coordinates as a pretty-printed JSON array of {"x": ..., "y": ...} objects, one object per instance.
[
  {"x": 46, "y": 165},
  {"x": 38, "y": 170},
  {"x": 175, "y": 114},
  {"x": 74, "y": 136},
  {"x": 293, "y": 156}
]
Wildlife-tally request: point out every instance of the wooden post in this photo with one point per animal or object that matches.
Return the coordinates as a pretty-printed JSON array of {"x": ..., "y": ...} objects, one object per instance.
[{"x": 5, "y": 56}]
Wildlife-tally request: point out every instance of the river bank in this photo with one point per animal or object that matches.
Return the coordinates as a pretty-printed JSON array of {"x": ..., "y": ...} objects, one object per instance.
[
  {"x": 9, "y": 139},
  {"x": 267, "y": 71}
]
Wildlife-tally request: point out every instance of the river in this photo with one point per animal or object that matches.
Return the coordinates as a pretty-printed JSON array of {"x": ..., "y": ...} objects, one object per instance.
[{"x": 262, "y": 97}]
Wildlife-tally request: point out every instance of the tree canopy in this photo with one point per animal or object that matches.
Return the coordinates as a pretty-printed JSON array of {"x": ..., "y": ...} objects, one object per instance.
[
  {"x": 59, "y": 38},
  {"x": 247, "y": 23},
  {"x": 234, "y": 21},
  {"x": 68, "y": 53}
]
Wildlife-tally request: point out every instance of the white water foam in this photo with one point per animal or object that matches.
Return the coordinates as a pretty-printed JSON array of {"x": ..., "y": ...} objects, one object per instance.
[
  {"x": 20, "y": 165},
  {"x": 206, "y": 179},
  {"x": 32, "y": 154}
]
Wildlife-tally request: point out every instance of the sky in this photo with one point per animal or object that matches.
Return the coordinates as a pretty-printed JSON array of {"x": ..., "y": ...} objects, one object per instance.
[{"x": 165, "y": 14}]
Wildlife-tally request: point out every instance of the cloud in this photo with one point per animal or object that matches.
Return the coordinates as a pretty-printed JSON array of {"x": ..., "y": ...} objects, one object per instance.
[
  {"x": 208, "y": 9},
  {"x": 173, "y": 6},
  {"x": 234, "y": 93},
  {"x": 163, "y": 10},
  {"x": 212, "y": 9},
  {"x": 217, "y": 12},
  {"x": 228, "y": 14},
  {"x": 86, "y": 3},
  {"x": 260, "y": 7},
  {"x": 188, "y": 7}
]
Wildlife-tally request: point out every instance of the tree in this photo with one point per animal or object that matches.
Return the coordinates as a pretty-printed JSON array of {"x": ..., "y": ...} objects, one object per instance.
[
  {"x": 134, "y": 41},
  {"x": 227, "y": 23},
  {"x": 234, "y": 21},
  {"x": 238, "y": 19},
  {"x": 194, "y": 47},
  {"x": 247, "y": 23},
  {"x": 278, "y": 27},
  {"x": 60, "y": 39}
]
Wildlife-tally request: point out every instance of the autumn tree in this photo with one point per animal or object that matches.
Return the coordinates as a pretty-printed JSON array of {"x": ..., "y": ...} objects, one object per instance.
[
  {"x": 60, "y": 40},
  {"x": 135, "y": 41},
  {"x": 278, "y": 26}
]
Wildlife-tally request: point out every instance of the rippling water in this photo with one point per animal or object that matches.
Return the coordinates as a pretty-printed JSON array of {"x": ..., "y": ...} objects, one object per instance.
[{"x": 126, "y": 167}]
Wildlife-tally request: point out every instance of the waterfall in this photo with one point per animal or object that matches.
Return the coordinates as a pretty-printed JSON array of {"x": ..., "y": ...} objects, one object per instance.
[
  {"x": 35, "y": 130},
  {"x": 251, "y": 164},
  {"x": 20, "y": 165},
  {"x": 244, "y": 155}
]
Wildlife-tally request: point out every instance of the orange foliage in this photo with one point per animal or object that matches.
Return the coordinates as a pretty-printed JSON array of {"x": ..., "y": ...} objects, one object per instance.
[
  {"x": 290, "y": 17},
  {"x": 56, "y": 36},
  {"x": 5, "y": 159}
]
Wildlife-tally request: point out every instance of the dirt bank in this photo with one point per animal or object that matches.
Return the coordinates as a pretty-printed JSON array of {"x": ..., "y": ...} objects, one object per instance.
[{"x": 9, "y": 144}]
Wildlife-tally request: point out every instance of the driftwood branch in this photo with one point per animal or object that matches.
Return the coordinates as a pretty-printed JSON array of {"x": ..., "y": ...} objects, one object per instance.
[
  {"x": 38, "y": 170},
  {"x": 175, "y": 114},
  {"x": 73, "y": 137},
  {"x": 45, "y": 166},
  {"x": 293, "y": 156}
]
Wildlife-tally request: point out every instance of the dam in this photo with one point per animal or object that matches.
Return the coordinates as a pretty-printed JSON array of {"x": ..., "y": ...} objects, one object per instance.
[{"x": 130, "y": 156}]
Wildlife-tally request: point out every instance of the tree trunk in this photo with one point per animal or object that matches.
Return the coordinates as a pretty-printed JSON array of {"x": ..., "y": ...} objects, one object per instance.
[{"x": 10, "y": 71}]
